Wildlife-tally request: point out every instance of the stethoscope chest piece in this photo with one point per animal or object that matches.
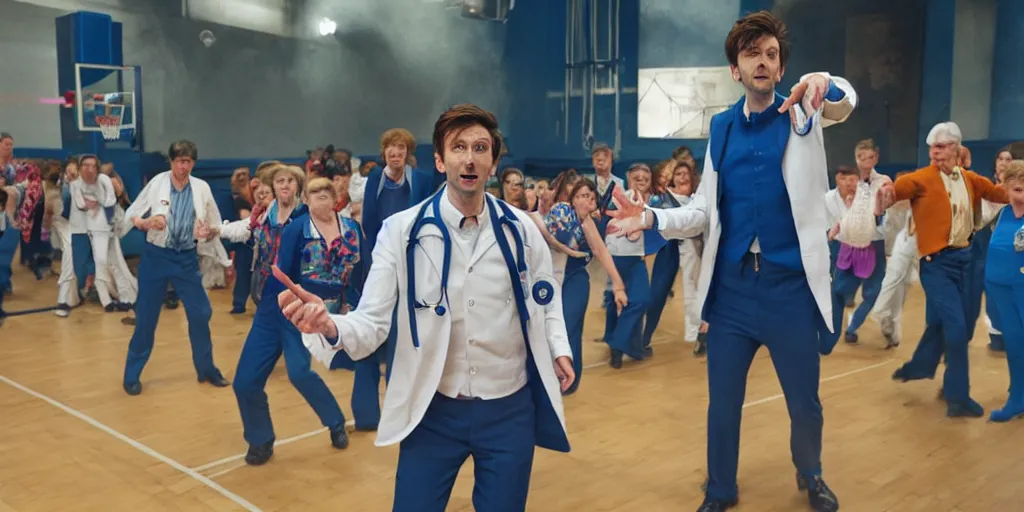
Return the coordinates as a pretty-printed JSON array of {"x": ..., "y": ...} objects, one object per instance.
[
  {"x": 543, "y": 292},
  {"x": 440, "y": 310}
]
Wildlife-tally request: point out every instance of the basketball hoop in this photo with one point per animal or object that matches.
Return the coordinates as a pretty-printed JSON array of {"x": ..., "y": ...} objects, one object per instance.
[{"x": 110, "y": 126}]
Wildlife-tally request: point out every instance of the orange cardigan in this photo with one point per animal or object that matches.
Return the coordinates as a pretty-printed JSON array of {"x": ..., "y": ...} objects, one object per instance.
[{"x": 929, "y": 203}]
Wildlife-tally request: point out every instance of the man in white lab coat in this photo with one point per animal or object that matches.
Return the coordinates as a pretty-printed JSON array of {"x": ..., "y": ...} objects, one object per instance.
[
  {"x": 764, "y": 277},
  {"x": 482, "y": 354}
]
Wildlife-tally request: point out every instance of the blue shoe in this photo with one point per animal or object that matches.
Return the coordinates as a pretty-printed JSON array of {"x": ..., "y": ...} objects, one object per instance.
[{"x": 1010, "y": 411}]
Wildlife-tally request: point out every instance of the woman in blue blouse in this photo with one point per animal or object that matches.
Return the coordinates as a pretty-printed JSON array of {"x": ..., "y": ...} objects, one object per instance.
[
  {"x": 572, "y": 225},
  {"x": 1004, "y": 286}
]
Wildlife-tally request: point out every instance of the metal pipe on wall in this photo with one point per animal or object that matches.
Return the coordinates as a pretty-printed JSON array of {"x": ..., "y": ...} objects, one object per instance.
[
  {"x": 617, "y": 68},
  {"x": 569, "y": 11}
]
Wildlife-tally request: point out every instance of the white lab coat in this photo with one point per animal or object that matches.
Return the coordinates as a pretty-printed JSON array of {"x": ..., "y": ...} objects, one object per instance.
[
  {"x": 155, "y": 199},
  {"x": 805, "y": 170},
  {"x": 416, "y": 372}
]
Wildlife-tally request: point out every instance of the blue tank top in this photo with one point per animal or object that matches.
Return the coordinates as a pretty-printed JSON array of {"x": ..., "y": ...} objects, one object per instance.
[{"x": 1005, "y": 265}]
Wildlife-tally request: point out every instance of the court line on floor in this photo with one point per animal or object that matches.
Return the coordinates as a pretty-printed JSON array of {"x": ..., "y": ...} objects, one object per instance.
[
  {"x": 822, "y": 381},
  {"x": 592, "y": 365},
  {"x": 232, "y": 458},
  {"x": 242, "y": 502}
]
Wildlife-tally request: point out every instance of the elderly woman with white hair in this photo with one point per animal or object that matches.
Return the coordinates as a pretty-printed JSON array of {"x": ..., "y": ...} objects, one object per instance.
[{"x": 945, "y": 202}]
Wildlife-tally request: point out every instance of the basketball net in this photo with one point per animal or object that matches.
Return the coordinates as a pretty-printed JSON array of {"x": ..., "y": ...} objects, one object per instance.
[{"x": 110, "y": 124}]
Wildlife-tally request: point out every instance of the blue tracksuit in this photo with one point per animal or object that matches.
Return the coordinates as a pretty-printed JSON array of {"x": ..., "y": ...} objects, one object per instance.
[{"x": 1004, "y": 287}]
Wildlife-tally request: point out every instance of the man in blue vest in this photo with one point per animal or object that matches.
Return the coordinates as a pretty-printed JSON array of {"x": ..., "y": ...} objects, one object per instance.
[
  {"x": 396, "y": 187},
  {"x": 766, "y": 256}
]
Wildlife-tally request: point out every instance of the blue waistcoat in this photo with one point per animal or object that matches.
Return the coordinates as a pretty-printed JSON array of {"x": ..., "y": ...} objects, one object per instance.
[
  {"x": 422, "y": 185},
  {"x": 752, "y": 197}
]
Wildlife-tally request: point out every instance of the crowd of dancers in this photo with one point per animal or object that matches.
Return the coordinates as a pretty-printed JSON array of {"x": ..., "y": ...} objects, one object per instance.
[{"x": 364, "y": 265}]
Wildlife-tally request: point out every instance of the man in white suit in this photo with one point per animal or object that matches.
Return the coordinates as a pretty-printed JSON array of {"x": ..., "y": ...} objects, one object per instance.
[
  {"x": 482, "y": 354},
  {"x": 764, "y": 278}
]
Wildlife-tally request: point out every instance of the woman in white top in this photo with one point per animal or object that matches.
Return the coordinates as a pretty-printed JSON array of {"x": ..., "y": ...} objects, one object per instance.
[{"x": 92, "y": 211}]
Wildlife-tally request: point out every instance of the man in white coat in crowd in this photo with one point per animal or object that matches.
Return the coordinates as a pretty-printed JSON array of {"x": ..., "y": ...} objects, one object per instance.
[
  {"x": 482, "y": 354},
  {"x": 764, "y": 277}
]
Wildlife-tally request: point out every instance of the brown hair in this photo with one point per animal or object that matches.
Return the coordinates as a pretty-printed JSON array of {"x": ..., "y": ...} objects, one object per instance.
[
  {"x": 398, "y": 136},
  {"x": 694, "y": 176},
  {"x": 751, "y": 28},
  {"x": 866, "y": 145},
  {"x": 89, "y": 156},
  {"x": 563, "y": 184},
  {"x": 268, "y": 173},
  {"x": 845, "y": 170},
  {"x": 601, "y": 147},
  {"x": 581, "y": 184},
  {"x": 461, "y": 117}
]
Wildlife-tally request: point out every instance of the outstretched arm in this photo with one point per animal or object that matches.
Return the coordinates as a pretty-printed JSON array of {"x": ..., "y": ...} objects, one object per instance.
[{"x": 360, "y": 332}]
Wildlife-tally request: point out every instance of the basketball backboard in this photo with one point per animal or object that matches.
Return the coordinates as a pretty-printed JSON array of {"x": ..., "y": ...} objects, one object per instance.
[{"x": 108, "y": 95}]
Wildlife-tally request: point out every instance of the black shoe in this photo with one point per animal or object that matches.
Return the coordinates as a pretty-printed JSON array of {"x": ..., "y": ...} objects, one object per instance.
[
  {"x": 648, "y": 352},
  {"x": 339, "y": 438},
  {"x": 124, "y": 307},
  {"x": 711, "y": 505},
  {"x": 133, "y": 388},
  {"x": 217, "y": 380},
  {"x": 258, "y": 455},
  {"x": 366, "y": 428},
  {"x": 902, "y": 374},
  {"x": 237, "y": 311},
  {"x": 171, "y": 303},
  {"x": 701, "y": 348},
  {"x": 616, "y": 359},
  {"x": 820, "y": 497},
  {"x": 110, "y": 308},
  {"x": 851, "y": 337},
  {"x": 968, "y": 409}
]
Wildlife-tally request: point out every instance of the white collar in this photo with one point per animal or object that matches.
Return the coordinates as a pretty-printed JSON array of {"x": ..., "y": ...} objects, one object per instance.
[{"x": 451, "y": 216}]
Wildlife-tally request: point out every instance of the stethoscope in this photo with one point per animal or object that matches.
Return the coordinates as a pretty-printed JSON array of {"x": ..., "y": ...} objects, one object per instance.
[{"x": 543, "y": 291}]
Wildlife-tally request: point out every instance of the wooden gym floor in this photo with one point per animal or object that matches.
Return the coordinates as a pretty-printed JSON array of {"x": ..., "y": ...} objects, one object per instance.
[{"x": 71, "y": 439}]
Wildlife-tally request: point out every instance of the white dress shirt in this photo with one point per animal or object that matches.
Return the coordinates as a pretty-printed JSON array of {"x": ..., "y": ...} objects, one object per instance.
[
  {"x": 962, "y": 211},
  {"x": 93, "y": 220},
  {"x": 479, "y": 368}
]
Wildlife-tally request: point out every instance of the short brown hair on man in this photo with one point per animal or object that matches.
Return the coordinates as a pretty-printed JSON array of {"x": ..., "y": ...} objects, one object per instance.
[
  {"x": 399, "y": 136},
  {"x": 748, "y": 30},
  {"x": 461, "y": 117},
  {"x": 845, "y": 170},
  {"x": 601, "y": 147},
  {"x": 866, "y": 145}
]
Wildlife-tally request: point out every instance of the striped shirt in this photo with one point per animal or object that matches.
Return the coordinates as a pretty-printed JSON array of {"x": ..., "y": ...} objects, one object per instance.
[{"x": 182, "y": 220}]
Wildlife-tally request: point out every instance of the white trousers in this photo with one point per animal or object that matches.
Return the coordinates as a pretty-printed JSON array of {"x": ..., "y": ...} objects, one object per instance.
[
  {"x": 67, "y": 286},
  {"x": 900, "y": 271},
  {"x": 689, "y": 266}
]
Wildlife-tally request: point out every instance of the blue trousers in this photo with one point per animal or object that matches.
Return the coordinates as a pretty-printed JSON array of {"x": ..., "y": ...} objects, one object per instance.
[
  {"x": 499, "y": 435},
  {"x": 575, "y": 296},
  {"x": 663, "y": 276},
  {"x": 271, "y": 336},
  {"x": 944, "y": 277},
  {"x": 771, "y": 306},
  {"x": 625, "y": 335},
  {"x": 81, "y": 252},
  {"x": 844, "y": 287},
  {"x": 243, "y": 276},
  {"x": 158, "y": 267},
  {"x": 1008, "y": 301}
]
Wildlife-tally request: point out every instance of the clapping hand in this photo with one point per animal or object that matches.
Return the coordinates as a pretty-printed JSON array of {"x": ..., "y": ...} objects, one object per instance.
[
  {"x": 202, "y": 231},
  {"x": 627, "y": 217},
  {"x": 886, "y": 197},
  {"x": 303, "y": 309}
]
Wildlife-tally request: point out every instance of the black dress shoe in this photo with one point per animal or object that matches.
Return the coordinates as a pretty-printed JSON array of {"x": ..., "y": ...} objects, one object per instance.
[
  {"x": 258, "y": 455},
  {"x": 133, "y": 388},
  {"x": 217, "y": 380},
  {"x": 711, "y": 505},
  {"x": 615, "y": 361},
  {"x": 339, "y": 438},
  {"x": 820, "y": 497},
  {"x": 366, "y": 428},
  {"x": 968, "y": 409}
]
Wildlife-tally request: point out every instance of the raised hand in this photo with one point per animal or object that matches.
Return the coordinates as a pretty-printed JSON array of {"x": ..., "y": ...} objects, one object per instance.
[
  {"x": 809, "y": 93},
  {"x": 627, "y": 218},
  {"x": 303, "y": 309},
  {"x": 886, "y": 197}
]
